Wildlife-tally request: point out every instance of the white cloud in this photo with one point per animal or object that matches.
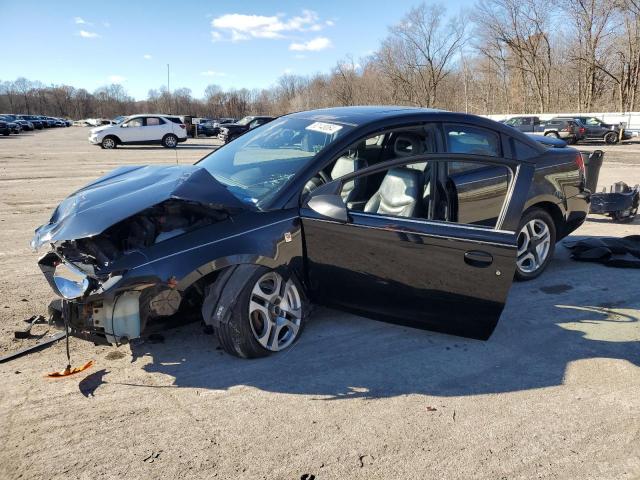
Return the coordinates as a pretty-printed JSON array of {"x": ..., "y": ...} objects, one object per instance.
[
  {"x": 315, "y": 45},
  {"x": 80, "y": 21},
  {"x": 85, "y": 34},
  {"x": 117, "y": 79},
  {"x": 213, "y": 73},
  {"x": 106, "y": 24},
  {"x": 146, "y": 56},
  {"x": 288, "y": 71},
  {"x": 237, "y": 26}
]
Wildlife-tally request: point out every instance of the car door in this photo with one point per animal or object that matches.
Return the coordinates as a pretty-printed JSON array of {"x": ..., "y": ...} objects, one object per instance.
[
  {"x": 154, "y": 129},
  {"x": 426, "y": 269},
  {"x": 132, "y": 130},
  {"x": 593, "y": 127}
]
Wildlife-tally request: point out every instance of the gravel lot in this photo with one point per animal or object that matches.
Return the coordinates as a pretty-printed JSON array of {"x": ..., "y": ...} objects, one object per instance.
[{"x": 555, "y": 392}]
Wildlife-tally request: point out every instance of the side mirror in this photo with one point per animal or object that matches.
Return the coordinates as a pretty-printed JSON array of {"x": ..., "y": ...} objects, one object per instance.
[{"x": 330, "y": 206}]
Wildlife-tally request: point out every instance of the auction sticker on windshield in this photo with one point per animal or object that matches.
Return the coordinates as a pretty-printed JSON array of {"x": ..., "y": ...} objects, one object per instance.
[{"x": 322, "y": 127}]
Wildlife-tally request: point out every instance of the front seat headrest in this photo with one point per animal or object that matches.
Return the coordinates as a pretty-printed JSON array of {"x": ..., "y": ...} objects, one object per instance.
[{"x": 408, "y": 144}]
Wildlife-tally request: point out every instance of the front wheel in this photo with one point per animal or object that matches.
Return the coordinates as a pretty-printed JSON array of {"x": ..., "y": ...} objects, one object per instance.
[
  {"x": 170, "y": 141},
  {"x": 611, "y": 138},
  {"x": 109, "y": 143},
  {"x": 552, "y": 134},
  {"x": 536, "y": 243},
  {"x": 268, "y": 315}
]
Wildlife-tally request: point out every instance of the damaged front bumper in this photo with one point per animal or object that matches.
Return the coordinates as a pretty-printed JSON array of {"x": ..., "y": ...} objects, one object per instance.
[{"x": 105, "y": 310}]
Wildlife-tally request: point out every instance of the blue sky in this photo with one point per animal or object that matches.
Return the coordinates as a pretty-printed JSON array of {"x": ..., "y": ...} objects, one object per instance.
[{"x": 232, "y": 43}]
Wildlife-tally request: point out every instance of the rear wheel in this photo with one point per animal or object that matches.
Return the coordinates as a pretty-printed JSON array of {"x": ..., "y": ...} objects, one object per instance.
[
  {"x": 268, "y": 316},
  {"x": 170, "y": 141},
  {"x": 611, "y": 138},
  {"x": 109, "y": 143},
  {"x": 536, "y": 243}
]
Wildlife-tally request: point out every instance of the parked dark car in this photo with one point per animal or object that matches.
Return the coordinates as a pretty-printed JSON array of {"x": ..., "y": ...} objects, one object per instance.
[
  {"x": 4, "y": 128},
  {"x": 13, "y": 126},
  {"x": 415, "y": 216},
  {"x": 24, "y": 124},
  {"x": 221, "y": 122},
  {"x": 526, "y": 124},
  {"x": 596, "y": 129},
  {"x": 37, "y": 122},
  {"x": 206, "y": 128},
  {"x": 231, "y": 131}
]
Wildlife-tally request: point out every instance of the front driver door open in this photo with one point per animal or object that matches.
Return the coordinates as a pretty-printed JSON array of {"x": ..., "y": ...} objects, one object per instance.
[{"x": 437, "y": 275}]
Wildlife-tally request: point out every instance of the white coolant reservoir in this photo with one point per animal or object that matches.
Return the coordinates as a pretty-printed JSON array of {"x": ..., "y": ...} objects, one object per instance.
[{"x": 122, "y": 317}]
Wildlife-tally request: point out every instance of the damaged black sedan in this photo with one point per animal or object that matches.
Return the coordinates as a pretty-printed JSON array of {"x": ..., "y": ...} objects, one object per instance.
[{"x": 414, "y": 216}]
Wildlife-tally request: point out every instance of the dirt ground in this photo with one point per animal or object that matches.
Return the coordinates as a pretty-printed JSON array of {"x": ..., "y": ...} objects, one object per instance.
[{"x": 554, "y": 394}]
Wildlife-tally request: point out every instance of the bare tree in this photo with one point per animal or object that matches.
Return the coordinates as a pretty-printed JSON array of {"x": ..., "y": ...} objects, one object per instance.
[{"x": 419, "y": 53}]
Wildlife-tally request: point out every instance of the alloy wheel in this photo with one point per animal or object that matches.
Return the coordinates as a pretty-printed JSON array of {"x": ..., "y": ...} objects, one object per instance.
[
  {"x": 170, "y": 141},
  {"x": 534, "y": 241},
  {"x": 275, "y": 311},
  {"x": 109, "y": 143}
]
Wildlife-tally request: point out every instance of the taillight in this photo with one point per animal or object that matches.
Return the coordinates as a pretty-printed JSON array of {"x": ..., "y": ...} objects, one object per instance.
[
  {"x": 582, "y": 129},
  {"x": 182, "y": 126},
  {"x": 580, "y": 162}
]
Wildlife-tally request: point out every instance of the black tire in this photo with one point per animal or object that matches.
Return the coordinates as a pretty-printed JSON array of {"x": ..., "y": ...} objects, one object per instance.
[
  {"x": 109, "y": 142},
  {"x": 571, "y": 140},
  {"x": 552, "y": 134},
  {"x": 170, "y": 141},
  {"x": 611, "y": 138},
  {"x": 525, "y": 269},
  {"x": 235, "y": 331}
]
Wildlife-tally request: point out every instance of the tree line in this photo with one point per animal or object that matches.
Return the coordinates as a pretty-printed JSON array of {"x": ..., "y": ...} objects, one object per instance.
[{"x": 502, "y": 56}]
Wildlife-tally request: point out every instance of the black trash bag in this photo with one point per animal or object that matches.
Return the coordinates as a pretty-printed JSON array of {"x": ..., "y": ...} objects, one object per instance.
[{"x": 610, "y": 251}]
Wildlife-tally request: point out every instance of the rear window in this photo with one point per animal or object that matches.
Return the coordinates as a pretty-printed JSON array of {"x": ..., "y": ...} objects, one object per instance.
[{"x": 174, "y": 119}]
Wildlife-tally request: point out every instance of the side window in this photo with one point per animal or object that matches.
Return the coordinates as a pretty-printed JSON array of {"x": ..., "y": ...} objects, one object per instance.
[
  {"x": 472, "y": 140},
  {"x": 153, "y": 121},
  {"x": 400, "y": 191},
  {"x": 470, "y": 193},
  {"x": 136, "y": 122}
]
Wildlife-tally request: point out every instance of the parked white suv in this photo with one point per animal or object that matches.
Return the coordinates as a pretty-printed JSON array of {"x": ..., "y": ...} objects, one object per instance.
[{"x": 166, "y": 130}]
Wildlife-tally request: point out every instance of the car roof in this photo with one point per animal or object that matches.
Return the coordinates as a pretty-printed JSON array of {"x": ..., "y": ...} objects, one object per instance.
[
  {"x": 359, "y": 115},
  {"x": 150, "y": 115}
]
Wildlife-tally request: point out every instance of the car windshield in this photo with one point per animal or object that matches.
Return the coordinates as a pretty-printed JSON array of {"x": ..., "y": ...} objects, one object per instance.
[
  {"x": 245, "y": 120},
  {"x": 255, "y": 166}
]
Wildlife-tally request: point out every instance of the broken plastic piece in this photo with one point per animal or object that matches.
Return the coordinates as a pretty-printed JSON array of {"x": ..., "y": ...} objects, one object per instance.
[{"x": 70, "y": 371}]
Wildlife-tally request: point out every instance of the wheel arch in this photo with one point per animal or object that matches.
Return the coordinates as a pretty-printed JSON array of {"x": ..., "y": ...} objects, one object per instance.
[
  {"x": 552, "y": 209},
  {"x": 114, "y": 136}
]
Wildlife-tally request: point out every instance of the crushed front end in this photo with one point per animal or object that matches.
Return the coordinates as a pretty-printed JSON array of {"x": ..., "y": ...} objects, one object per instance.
[{"x": 104, "y": 237}]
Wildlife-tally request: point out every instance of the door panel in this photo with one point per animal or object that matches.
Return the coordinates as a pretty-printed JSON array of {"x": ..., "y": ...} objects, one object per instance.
[
  {"x": 413, "y": 273},
  {"x": 442, "y": 276}
]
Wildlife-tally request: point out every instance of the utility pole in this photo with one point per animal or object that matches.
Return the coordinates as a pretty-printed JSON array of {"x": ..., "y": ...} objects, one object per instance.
[{"x": 168, "y": 89}]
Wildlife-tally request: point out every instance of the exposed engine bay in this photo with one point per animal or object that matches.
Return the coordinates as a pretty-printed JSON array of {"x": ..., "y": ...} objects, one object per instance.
[
  {"x": 153, "y": 225},
  {"x": 80, "y": 271}
]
